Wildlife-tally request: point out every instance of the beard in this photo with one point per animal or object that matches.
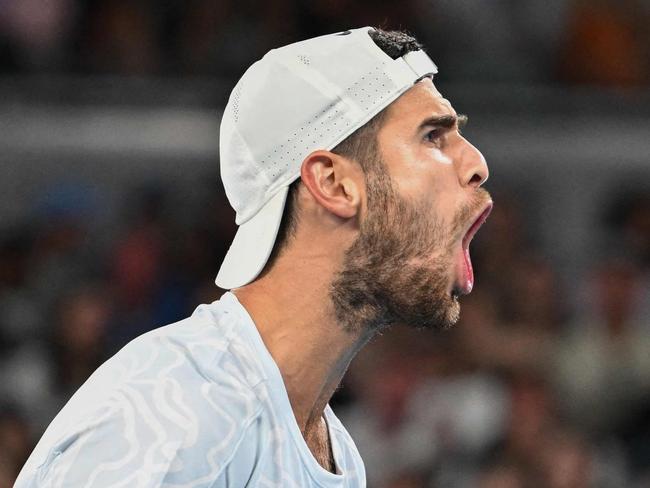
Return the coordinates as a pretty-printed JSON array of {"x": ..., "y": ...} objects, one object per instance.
[{"x": 398, "y": 269}]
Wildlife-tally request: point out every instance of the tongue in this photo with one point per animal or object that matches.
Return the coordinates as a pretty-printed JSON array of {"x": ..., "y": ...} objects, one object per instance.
[{"x": 465, "y": 273}]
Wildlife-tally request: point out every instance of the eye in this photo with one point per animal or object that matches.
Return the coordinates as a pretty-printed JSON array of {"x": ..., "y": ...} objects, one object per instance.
[{"x": 435, "y": 136}]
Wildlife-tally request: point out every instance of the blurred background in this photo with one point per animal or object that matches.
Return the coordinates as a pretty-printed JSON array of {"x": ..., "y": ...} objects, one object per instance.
[{"x": 113, "y": 222}]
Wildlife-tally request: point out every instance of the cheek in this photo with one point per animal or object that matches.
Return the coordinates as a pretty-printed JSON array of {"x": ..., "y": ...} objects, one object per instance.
[
  {"x": 440, "y": 157},
  {"x": 438, "y": 201},
  {"x": 428, "y": 174},
  {"x": 427, "y": 180}
]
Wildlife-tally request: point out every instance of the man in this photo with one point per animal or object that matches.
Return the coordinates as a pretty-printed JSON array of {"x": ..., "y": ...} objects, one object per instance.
[{"x": 356, "y": 199}]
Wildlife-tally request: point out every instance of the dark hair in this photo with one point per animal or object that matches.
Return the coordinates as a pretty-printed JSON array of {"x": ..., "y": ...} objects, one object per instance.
[{"x": 359, "y": 146}]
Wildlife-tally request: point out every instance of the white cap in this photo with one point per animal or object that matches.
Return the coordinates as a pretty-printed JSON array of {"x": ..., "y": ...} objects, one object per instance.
[{"x": 297, "y": 99}]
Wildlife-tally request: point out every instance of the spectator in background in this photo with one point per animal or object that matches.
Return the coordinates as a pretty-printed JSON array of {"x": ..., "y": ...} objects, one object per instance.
[
  {"x": 566, "y": 461},
  {"x": 41, "y": 375},
  {"x": 34, "y": 34},
  {"x": 602, "y": 366},
  {"x": 627, "y": 226},
  {"x": 15, "y": 444},
  {"x": 501, "y": 476},
  {"x": 632, "y": 221},
  {"x": 21, "y": 314},
  {"x": 138, "y": 255},
  {"x": 64, "y": 249},
  {"x": 148, "y": 288},
  {"x": 79, "y": 343},
  {"x": 120, "y": 36},
  {"x": 606, "y": 43},
  {"x": 532, "y": 414}
]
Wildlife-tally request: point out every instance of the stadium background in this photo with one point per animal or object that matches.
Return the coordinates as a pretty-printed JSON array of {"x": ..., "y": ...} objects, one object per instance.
[{"x": 113, "y": 222}]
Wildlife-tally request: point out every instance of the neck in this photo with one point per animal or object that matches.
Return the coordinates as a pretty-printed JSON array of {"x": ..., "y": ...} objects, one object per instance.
[{"x": 295, "y": 317}]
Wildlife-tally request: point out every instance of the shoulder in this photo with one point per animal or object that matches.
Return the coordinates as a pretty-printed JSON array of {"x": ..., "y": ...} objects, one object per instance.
[
  {"x": 194, "y": 361},
  {"x": 137, "y": 443},
  {"x": 176, "y": 402},
  {"x": 208, "y": 350},
  {"x": 208, "y": 343}
]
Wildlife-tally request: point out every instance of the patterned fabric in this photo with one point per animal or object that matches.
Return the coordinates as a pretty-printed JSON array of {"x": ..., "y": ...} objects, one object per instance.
[{"x": 198, "y": 403}]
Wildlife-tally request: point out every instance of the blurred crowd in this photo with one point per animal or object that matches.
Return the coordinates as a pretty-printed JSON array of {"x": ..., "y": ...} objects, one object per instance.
[
  {"x": 526, "y": 391},
  {"x": 601, "y": 42}
]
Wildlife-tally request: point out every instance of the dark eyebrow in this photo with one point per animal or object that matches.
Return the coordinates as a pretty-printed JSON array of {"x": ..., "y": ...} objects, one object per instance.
[{"x": 445, "y": 121}]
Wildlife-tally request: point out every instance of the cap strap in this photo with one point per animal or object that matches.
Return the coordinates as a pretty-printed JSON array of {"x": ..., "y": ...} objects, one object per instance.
[
  {"x": 420, "y": 63},
  {"x": 416, "y": 63}
]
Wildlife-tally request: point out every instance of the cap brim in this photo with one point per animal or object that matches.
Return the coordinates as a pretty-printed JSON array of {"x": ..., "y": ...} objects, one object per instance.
[{"x": 252, "y": 245}]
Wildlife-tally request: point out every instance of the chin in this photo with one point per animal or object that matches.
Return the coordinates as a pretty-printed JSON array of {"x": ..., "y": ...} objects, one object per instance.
[{"x": 451, "y": 313}]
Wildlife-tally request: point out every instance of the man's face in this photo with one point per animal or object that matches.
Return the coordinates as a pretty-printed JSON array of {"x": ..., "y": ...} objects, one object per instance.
[{"x": 410, "y": 261}]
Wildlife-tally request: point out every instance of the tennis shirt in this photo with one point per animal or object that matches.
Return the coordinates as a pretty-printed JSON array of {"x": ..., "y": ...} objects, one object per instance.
[{"x": 198, "y": 403}]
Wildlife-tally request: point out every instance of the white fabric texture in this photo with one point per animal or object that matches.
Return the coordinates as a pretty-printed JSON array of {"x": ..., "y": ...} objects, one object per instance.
[{"x": 198, "y": 403}]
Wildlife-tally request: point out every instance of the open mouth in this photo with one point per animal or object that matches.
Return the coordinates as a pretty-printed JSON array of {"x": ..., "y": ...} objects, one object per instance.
[
  {"x": 464, "y": 270},
  {"x": 480, "y": 220}
]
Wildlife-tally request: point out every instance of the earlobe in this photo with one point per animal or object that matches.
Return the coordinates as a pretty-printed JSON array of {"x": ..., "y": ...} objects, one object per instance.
[{"x": 333, "y": 181}]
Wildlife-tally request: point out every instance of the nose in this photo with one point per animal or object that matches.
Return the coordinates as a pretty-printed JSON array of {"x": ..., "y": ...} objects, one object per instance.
[{"x": 472, "y": 167}]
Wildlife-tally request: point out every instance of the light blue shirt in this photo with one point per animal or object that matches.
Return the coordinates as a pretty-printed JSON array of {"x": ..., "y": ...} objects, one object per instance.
[{"x": 198, "y": 403}]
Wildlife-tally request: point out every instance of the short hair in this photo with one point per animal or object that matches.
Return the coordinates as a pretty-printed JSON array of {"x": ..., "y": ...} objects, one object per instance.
[{"x": 360, "y": 146}]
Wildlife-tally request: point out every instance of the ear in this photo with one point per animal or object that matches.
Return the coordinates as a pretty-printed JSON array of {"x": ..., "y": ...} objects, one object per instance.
[{"x": 334, "y": 181}]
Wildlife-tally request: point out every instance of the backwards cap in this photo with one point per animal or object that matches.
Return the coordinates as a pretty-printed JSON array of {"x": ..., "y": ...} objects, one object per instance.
[{"x": 299, "y": 98}]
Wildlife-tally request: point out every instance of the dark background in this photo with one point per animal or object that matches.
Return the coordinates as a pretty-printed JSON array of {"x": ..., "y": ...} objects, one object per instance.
[{"x": 113, "y": 222}]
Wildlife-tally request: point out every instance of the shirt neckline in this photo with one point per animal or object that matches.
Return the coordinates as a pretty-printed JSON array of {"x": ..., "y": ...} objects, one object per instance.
[{"x": 279, "y": 395}]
